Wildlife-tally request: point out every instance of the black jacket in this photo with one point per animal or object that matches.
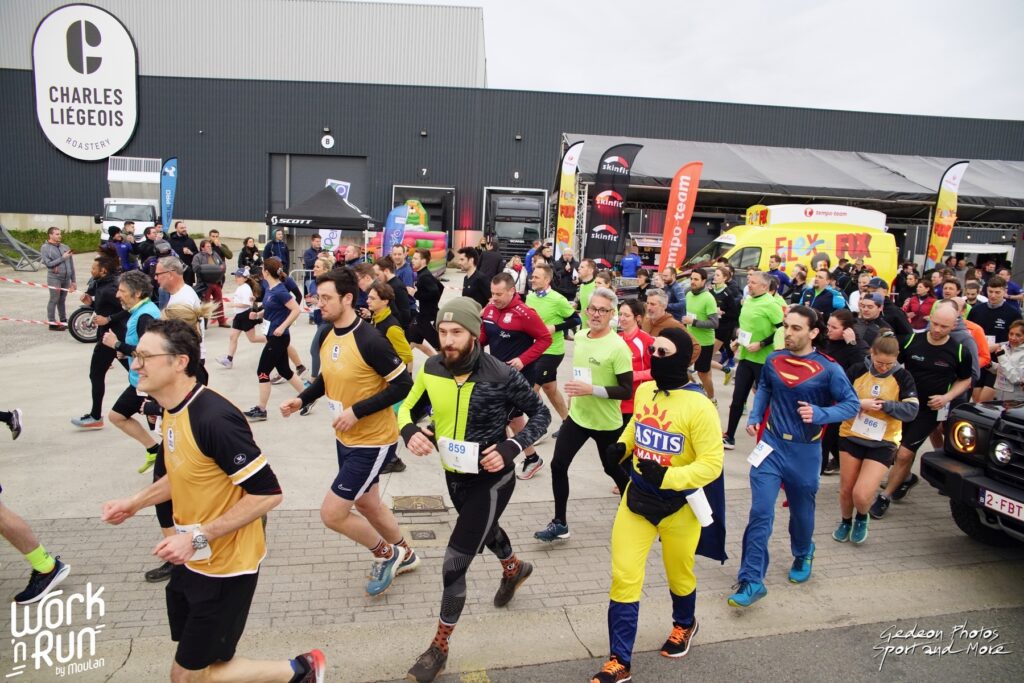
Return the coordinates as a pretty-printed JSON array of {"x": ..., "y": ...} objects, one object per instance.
[
  {"x": 179, "y": 243},
  {"x": 896, "y": 318},
  {"x": 490, "y": 264},
  {"x": 478, "y": 287},
  {"x": 563, "y": 272},
  {"x": 105, "y": 303},
  {"x": 428, "y": 294},
  {"x": 402, "y": 310}
]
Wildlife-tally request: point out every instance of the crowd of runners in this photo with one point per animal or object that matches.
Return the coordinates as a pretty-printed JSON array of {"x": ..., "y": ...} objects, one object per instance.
[{"x": 849, "y": 375}]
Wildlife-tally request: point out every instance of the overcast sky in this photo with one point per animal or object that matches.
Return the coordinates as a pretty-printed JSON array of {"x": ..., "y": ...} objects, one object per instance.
[{"x": 938, "y": 57}]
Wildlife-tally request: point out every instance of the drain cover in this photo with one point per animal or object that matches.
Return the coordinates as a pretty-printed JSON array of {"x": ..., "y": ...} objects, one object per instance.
[
  {"x": 423, "y": 535},
  {"x": 418, "y": 504}
]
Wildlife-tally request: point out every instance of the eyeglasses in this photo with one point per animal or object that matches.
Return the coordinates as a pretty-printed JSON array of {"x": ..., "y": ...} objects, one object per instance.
[
  {"x": 591, "y": 310},
  {"x": 141, "y": 358},
  {"x": 659, "y": 351},
  {"x": 162, "y": 272}
]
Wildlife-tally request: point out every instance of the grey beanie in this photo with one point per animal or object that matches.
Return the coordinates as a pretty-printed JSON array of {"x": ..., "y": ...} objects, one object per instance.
[{"x": 463, "y": 311}]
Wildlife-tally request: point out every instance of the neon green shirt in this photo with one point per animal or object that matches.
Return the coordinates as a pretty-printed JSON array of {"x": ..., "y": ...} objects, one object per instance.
[
  {"x": 760, "y": 316},
  {"x": 553, "y": 309},
  {"x": 606, "y": 358},
  {"x": 701, "y": 306},
  {"x": 585, "y": 292}
]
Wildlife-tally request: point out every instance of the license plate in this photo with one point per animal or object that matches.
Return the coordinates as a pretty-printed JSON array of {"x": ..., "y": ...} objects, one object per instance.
[{"x": 1002, "y": 504}]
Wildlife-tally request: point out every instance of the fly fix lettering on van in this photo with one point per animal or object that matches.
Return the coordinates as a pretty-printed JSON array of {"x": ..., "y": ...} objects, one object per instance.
[
  {"x": 853, "y": 245},
  {"x": 792, "y": 250}
]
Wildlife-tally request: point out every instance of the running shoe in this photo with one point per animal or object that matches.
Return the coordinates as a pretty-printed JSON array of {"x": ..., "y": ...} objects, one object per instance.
[
  {"x": 531, "y": 466},
  {"x": 613, "y": 671},
  {"x": 393, "y": 465},
  {"x": 728, "y": 375},
  {"x": 148, "y": 463},
  {"x": 277, "y": 379},
  {"x": 16, "y": 424},
  {"x": 87, "y": 421},
  {"x": 678, "y": 643},
  {"x": 307, "y": 409},
  {"x": 728, "y": 443},
  {"x": 40, "y": 585},
  {"x": 904, "y": 488},
  {"x": 385, "y": 571},
  {"x": 831, "y": 467},
  {"x": 842, "y": 532},
  {"x": 255, "y": 414},
  {"x": 226, "y": 362},
  {"x": 306, "y": 384},
  {"x": 428, "y": 666},
  {"x": 554, "y": 531},
  {"x": 509, "y": 584},
  {"x": 161, "y": 573},
  {"x": 801, "y": 569},
  {"x": 747, "y": 593},
  {"x": 411, "y": 561},
  {"x": 860, "y": 531},
  {"x": 315, "y": 663},
  {"x": 880, "y": 506}
]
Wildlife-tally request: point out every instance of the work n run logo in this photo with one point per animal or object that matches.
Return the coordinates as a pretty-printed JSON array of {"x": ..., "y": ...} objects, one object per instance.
[
  {"x": 57, "y": 634},
  {"x": 85, "y": 67}
]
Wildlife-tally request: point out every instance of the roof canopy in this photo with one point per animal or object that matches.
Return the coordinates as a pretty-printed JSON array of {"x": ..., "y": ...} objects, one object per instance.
[
  {"x": 325, "y": 209},
  {"x": 738, "y": 176}
]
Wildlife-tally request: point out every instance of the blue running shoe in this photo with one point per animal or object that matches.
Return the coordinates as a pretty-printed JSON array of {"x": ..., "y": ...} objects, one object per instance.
[
  {"x": 747, "y": 593},
  {"x": 860, "y": 531},
  {"x": 842, "y": 532},
  {"x": 384, "y": 572},
  {"x": 801, "y": 570},
  {"x": 555, "y": 531}
]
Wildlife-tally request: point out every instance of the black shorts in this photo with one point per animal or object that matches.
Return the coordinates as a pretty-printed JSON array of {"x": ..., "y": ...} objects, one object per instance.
[
  {"x": 883, "y": 454},
  {"x": 243, "y": 322},
  {"x": 915, "y": 432},
  {"x": 703, "y": 362},
  {"x": 129, "y": 402},
  {"x": 274, "y": 357},
  {"x": 359, "y": 468},
  {"x": 420, "y": 330},
  {"x": 726, "y": 330},
  {"x": 546, "y": 368},
  {"x": 207, "y": 615},
  {"x": 987, "y": 379}
]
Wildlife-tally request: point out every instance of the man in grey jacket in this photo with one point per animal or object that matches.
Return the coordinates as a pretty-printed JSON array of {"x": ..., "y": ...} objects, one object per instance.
[{"x": 60, "y": 272}]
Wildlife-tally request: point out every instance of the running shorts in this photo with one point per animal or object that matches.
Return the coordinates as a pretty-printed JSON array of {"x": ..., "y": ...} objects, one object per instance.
[
  {"x": 987, "y": 379},
  {"x": 207, "y": 615},
  {"x": 703, "y": 362},
  {"x": 915, "y": 432},
  {"x": 359, "y": 468},
  {"x": 725, "y": 330},
  {"x": 882, "y": 453},
  {"x": 129, "y": 402},
  {"x": 242, "y": 322},
  {"x": 546, "y": 368}
]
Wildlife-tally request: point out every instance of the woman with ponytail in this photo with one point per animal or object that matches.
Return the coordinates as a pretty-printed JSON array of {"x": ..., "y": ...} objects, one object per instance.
[{"x": 247, "y": 291}]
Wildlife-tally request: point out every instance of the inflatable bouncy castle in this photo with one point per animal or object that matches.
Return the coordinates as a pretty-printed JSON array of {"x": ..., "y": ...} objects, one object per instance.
[{"x": 407, "y": 224}]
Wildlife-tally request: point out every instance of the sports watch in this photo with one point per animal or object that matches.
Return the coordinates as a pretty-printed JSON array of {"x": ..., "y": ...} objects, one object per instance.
[{"x": 198, "y": 540}]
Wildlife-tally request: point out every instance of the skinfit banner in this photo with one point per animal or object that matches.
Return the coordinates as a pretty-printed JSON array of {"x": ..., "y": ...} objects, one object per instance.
[
  {"x": 168, "y": 186},
  {"x": 945, "y": 213},
  {"x": 394, "y": 228},
  {"x": 605, "y": 232},
  {"x": 680, "y": 211},
  {"x": 565, "y": 226}
]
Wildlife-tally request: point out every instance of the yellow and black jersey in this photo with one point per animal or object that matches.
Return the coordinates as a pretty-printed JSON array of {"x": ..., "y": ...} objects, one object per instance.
[
  {"x": 897, "y": 388},
  {"x": 213, "y": 461}
]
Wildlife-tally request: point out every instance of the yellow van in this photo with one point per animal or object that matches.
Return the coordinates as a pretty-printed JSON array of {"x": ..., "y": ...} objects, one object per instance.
[{"x": 804, "y": 233}]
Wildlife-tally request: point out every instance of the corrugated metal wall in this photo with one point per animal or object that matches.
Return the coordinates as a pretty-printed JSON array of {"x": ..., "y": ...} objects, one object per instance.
[
  {"x": 470, "y": 141},
  {"x": 305, "y": 40}
]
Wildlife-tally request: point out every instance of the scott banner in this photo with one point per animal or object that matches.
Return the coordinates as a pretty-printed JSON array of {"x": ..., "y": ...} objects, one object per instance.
[
  {"x": 565, "y": 227},
  {"x": 604, "y": 223},
  {"x": 681, "y": 200},
  {"x": 945, "y": 213},
  {"x": 168, "y": 186}
]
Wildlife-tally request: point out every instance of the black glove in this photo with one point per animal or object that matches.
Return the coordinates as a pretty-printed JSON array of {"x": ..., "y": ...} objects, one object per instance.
[
  {"x": 616, "y": 451},
  {"x": 509, "y": 449},
  {"x": 652, "y": 472}
]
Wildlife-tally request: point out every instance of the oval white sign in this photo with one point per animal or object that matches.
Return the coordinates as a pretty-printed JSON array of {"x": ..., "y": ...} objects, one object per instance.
[{"x": 85, "y": 66}]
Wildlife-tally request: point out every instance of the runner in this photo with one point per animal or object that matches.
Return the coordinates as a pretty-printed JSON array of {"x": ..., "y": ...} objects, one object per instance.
[
  {"x": 760, "y": 316},
  {"x": 247, "y": 291},
  {"x": 384, "y": 268},
  {"x": 323, "y": 264},
  {"x": 279, "y": 311},
  {"x": 379, "y": 299},
  {"x": 560, "y": 317},
  {"x": 169, "y": 273},
  {"x": 639, "y": 343},
  {"x": 799, "y": 390},
  {"x": 676, "y": 450},
  {"x": 867, "y": 442},
  {"x": 727, "y": 299},
  {"x": 362, "y": 377},
  {"x": 518, "y": 337},
  {"x": 427, "y": 291},
  {"x": 12, "y": 418},
  {"x": 995, "y": 318},
  {"x": 1010, "y": 365},
  {"x": 602, "y": 379},
  {"x": 701, "y": 320},
  {"x": 472, "y": 394},
  {"x": 941, "y": 369},
  {"x": 220, "y": 484},
  {"x": 475, "y": 285},
  {"x": 587, "y": 270}
]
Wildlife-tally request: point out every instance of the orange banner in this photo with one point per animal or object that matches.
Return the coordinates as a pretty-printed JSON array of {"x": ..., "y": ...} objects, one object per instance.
[
  {"x": 945, "y": 214},
  {"x": 681, "y": 200}
]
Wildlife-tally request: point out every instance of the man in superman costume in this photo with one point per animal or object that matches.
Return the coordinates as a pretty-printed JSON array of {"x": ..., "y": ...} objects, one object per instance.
[
  {"x": 675, "y": 441},
  {"x": 799, "y": 392}
]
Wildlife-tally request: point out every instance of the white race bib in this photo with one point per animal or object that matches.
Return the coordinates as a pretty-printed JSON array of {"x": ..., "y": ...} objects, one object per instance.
[
  {"x": 459, "y": 456},
  {"x": 698, "y": 502},
  {"x": 582, "y": 375},
  {"x": 265, "y": 328},
  {"x": 942, "y": 413},
  {"x": 744, "y": 337},
  {"x": 761, "y": 451},
  {"x": 869, "y": 427},
  {"x": 199, "y": 555},
  {"x": 990, "y": 338},
  {"x": 334, "y": 408}
]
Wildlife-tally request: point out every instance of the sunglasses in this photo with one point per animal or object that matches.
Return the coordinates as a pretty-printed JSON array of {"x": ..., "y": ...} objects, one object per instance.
[{"x": 659, "y": 351}]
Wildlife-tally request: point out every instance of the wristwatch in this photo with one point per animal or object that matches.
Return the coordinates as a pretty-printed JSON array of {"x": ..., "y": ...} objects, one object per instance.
[{"x": 198, "y": 540}]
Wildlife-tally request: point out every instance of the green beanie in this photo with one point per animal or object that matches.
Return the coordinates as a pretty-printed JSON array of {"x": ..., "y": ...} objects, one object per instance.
[{"x": 463, "y": 311}]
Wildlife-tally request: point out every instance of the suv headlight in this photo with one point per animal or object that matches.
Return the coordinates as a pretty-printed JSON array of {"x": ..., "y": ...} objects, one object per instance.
[
  {"x": 965, "y": 437},
  {"x": 1002, "y": 453}
]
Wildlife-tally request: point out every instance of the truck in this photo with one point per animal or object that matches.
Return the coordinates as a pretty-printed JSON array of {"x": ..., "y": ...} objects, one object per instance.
[
  {"x": 134, "y": 195},
  {"x": 514, "y": 218},
  {"x": 981, "y": 470}
]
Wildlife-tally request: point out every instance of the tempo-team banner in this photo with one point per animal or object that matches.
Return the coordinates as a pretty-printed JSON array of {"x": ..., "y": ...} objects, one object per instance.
[
  {"x": 604, "y": 222},
  {"x": 168, "y": 188},
  {"x": 681, "y": 200},
  {"x": 565, "y": 226},
  {"x": 945, "y": 213}
]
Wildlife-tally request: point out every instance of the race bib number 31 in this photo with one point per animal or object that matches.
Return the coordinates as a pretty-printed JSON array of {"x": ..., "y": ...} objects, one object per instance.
[
  {"x": 582, "y": 375},
  {"x": 460, "y": 456}
]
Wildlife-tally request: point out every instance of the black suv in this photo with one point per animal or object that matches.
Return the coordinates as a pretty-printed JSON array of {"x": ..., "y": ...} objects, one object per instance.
[{"x": 981, "y": 470}]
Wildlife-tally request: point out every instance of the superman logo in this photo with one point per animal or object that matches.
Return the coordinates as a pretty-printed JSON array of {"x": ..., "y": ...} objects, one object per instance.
[{"x": 795, "y": 371}]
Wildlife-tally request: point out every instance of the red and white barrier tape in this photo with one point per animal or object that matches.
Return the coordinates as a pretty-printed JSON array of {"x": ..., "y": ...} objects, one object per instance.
[
  {"x": 33, "y": 322},
  {"x": 31, "y": 284}
]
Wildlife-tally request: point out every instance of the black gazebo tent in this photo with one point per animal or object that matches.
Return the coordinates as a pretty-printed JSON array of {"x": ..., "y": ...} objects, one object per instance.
[{"x": 324, "y": 210}]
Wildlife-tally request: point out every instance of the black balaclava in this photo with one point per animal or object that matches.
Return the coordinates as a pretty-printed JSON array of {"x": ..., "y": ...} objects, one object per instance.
[{"x": 671, "y": 372}]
